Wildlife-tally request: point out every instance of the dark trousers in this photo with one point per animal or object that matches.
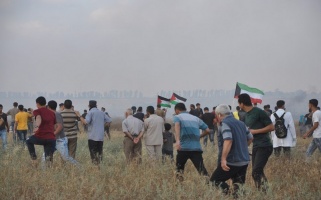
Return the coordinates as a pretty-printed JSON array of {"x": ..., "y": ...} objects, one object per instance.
[
  {"x": 260, "y": 156},
  {"x": 286, "y": 151},
  {"x": 72, "y": 147},
  {"x": 236, "y": 173},
  {"x": 96, "y": 151},
  {"x": 195, "y": 157},
  {"x": 166, "y": 153},
  {"x": 48, "y": 145}
]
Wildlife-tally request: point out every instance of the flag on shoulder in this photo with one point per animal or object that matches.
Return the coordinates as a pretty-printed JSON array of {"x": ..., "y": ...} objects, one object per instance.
[
  {"x": 163, "y": 102},
  {"x": 255, "y": 94},
  {"x": 175, "y": 99}
]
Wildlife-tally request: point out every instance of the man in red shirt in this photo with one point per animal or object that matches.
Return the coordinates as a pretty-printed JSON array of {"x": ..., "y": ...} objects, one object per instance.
[{"x": 43, "y": 132}]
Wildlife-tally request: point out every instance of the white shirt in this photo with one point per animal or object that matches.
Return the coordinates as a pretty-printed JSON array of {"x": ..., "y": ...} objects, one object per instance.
[
  {"x": 289, "y": 140},
  {"x": 316, "y": 117},
  {"x": 154, "y": 128}
]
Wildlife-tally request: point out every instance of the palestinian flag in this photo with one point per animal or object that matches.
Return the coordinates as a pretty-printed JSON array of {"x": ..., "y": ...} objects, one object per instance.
[
  {"x": 164, "y": 102},
  {"x": 255, "y": 94},
  {"x": 175, "y": 99}
]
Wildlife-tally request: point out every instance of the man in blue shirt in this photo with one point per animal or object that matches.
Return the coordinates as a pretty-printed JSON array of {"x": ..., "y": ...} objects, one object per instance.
[
  {"x": 233, "y": 156},
  {"x": 187, "y": 137},
  {"x": 96, "y": 121}
]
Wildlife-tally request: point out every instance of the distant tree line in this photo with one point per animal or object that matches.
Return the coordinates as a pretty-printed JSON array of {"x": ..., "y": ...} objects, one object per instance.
[{"x": 298, "y": 95}]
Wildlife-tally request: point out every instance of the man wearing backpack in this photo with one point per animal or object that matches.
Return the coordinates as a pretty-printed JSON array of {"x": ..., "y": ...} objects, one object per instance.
[{"x": 284, "y": 135}]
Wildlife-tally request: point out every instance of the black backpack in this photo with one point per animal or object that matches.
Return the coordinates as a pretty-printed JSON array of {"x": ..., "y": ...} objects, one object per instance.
[{"x": 280, "y": 130}]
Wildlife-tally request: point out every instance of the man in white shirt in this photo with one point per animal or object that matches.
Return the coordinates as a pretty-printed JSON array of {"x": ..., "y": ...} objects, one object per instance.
[
  {"x": 316, "y": 129},
  {"x": 154, "y": 128},
  {"x": 290, "y": 139}
]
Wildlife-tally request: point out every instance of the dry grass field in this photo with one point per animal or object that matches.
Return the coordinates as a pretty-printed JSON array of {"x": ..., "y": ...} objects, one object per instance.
[{"x": 288, "y": 179}]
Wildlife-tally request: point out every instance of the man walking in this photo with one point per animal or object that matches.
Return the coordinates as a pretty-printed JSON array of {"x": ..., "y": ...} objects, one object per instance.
[
  {"x": 187, "y": 137},
  {"x": 260, "y": 125},
  {"x": 21, "y": 124},
  {"x": 208, "y": 119},
  {"x": 154, "y": 127},
  {"x": 4, "y": 128},
  {"x": 316, "y": 129},
  {"x": 96, "y": 121},
  {"x": 133, "y": 128},
  {"x": 44, "y": 131},
  {"x": 233, "y": 156},
  {"x": 61, "y": 140},
  {"x": 12, "y": 112},
  {"x": 70, "y": 121},
  {"x": 290, "y": 140}
]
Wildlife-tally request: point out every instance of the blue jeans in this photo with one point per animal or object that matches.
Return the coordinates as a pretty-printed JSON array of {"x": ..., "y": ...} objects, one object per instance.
[
  {"x": 62, "y": 148},
  {"x": 30, "y": 128},
  {"x": 315, "y": 143},
  {"x": 14, "y": 135},
  {"x": 211, "y": 135},
  {"x": 22, "y": 135},
  {"x": 3, "y": 135}
]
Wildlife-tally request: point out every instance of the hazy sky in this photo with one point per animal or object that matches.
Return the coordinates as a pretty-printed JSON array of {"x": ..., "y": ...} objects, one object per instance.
[{"x": 154, "y": 45}]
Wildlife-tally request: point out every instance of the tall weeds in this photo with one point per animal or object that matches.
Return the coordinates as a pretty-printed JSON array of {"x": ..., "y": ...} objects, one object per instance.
[{"x": 288, "y": 179}]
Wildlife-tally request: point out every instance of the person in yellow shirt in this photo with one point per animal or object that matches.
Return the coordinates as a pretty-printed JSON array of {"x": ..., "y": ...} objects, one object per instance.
[
  {"x": 21, "y": 124},
  {"x": 236, "y": 113}
]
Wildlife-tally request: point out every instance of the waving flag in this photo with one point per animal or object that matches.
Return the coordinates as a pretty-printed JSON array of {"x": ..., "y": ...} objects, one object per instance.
[
  {"x": 164, "y": 102},
  {"x": 175, "y": 99},
  {"x": 255, "y": 94}
]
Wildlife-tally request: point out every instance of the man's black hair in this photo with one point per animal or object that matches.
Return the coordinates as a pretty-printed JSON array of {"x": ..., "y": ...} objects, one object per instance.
[
  {"x": 314, "y": 102},
  {"x": 41, "y": 101},
  {"x": 52, "y": 105},
  {"x": 198, "y": 104},
  {"x": 20, "y": 107},
  {"x": 192, "y": 106},
  {"x": 68, "y": 104},
  {"x": 15, "y": 104},
  {"x": 159, "y": 106},
  {"x": 140, "y": 109},
  {"x": 280, "y": 103},
  {"x": 245, "y": 99},
  {"x": 150, "y": 110},
  {"x": 167, "y": 126},
  {"x": 206, "y": 108},
  {"x": 180, "y": 107}
]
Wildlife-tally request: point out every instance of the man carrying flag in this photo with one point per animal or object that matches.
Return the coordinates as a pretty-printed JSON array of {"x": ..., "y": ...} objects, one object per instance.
[{"x": 162, "y": 102}]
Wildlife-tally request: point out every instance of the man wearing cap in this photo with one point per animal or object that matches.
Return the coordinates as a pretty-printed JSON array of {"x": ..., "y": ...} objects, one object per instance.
[
  {"x": 316, "y": 129},
  {"x": 96, "y": 121}
]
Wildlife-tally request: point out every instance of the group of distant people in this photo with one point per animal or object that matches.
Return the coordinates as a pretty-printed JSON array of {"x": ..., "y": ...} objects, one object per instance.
[{"x": 268, "y": 131}]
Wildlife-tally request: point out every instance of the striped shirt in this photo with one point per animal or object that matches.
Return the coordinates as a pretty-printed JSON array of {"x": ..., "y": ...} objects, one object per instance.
[
  {"x": 70, "y": 121},
  {"x": 189, "y": 131}
]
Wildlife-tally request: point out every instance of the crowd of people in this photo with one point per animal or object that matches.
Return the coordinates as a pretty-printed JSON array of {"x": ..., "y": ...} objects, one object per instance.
[{"x": 266, "y": 130}]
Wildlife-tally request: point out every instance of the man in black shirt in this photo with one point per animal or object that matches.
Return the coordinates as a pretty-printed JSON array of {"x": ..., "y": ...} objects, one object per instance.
[
  {"x": 193, "y": 111},
  {"x": 139, "y": 114},
  {"x": 4, "y": 128},
  {"x": 208, "y": 119}
]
